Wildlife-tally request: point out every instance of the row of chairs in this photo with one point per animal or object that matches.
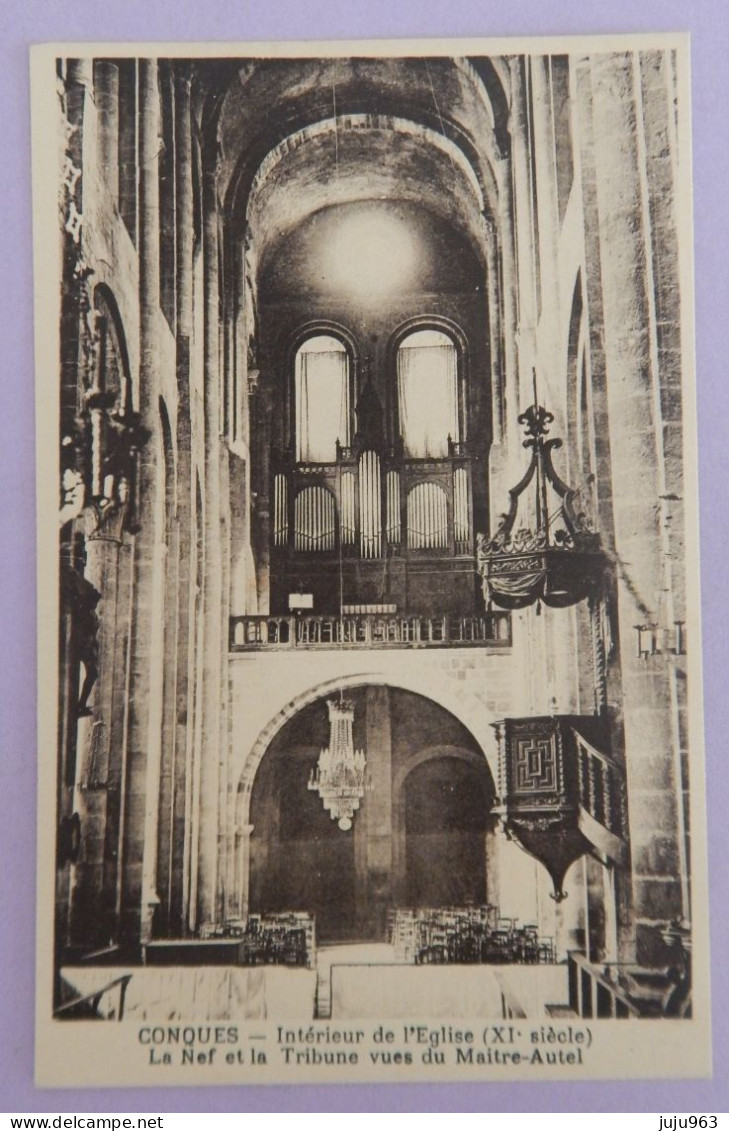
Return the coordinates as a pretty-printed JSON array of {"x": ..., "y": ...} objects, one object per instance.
[
  {"x": 287, "y": 939},
  {"x": 466, "y": 935}
]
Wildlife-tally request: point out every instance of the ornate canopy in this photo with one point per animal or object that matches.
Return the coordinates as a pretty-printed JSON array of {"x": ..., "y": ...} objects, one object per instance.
[{"x": 538, "y": 554}]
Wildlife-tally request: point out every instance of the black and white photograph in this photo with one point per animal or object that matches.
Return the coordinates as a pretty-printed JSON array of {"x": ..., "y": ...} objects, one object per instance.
[{"x": 370, "y": 685}]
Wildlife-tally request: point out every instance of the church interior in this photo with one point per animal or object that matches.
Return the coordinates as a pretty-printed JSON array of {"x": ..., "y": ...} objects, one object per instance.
[{"x": 372, "y": 651}]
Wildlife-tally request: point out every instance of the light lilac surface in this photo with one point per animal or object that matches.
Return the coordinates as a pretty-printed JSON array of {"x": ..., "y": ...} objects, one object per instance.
[{"x": 23, "y": 22}]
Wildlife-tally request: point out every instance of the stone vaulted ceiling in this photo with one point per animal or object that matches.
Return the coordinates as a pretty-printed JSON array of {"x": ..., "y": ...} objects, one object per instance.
[{"x": 300, "y": 135}]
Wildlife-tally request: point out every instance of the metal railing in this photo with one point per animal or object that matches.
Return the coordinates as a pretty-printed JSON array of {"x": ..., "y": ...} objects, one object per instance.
[
  {"x": 88, "y": 1006},
  {"x": 601, "y": 991},
  {"x": 368, "y": 630}
]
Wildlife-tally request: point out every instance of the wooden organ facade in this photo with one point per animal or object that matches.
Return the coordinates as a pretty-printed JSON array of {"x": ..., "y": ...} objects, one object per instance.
[{"x": 387, "y": 522}]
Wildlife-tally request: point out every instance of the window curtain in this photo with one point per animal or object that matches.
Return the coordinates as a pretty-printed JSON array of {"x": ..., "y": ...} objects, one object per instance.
[
  {"x": 322, "y": 403},
  {"x": 427, "y": 385}
]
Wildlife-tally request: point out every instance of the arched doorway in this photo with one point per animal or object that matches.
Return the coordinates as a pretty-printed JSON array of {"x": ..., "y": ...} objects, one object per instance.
[
  {"x": 300, "y": 859},
  {"x": 446, "y": 805},
  {"x": 417, "y": 839}
]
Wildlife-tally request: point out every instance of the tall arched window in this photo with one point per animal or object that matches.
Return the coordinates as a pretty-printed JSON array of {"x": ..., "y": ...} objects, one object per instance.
[
  {"x": 427, "y": 393},
  {"x": 323, "y": 399}
]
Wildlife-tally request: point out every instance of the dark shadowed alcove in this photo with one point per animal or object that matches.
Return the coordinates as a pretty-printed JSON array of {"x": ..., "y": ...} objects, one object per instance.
[
  {"x": 445, "y": 827},
  {"x": 419, "y": 837}
]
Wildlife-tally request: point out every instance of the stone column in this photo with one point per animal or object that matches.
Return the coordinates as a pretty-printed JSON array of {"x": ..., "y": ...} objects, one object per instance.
[
  {"x": 92, "y": 907},
  {"x": 75, "y": 99},
  {"x": 529, "y": 630},
  {"x": 184, "y": 211},
  {"x": 506, "y": 238},
  {"x": 79, "y": 74},
  {"x": 145, "y": 719},
  {"x": 79, "y": 93},
  {"x": 611, "y": 920},
  {"x": 106, "y": 95},
  {"x": 116, "y": 823},
  {"x": 227, "y": 787},
  {"x": 595, "y": 909},
  {"x": 197, "y": 676},
  {"x": 638, "y": 476},
  {"x": 170, "y": 754},
  {"x": 243, "y": 586},
  {"x": 180, "y": 817},
  {"x": 373, "y": 822},
  {"x": 127, "y": 177},
  {"x": 241, "y": 896},
  {"x": 524, "y": 230},
  {"x": 570, "y": 914},
  {"x": 494, "y": 306},
  {"x": 213, "y": 692},
  {"x": 78, "y": 147},
  {"x": 551, "y": 371},
  {"x": 494, "y": 849},
  {"x": 655, "y": 79},
  {"x": 559, "y": 624},
  {"x": 607, "y": 687},
  {"x": 241, "y": 343}
]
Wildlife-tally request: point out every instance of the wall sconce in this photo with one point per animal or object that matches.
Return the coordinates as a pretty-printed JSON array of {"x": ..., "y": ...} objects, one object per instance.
[
  {"x": 647, "y": 640},
  {"x": 653, "y": 640}
]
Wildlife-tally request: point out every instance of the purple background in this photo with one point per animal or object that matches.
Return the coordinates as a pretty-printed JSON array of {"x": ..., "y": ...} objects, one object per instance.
[{"x": 23, "y": 22}]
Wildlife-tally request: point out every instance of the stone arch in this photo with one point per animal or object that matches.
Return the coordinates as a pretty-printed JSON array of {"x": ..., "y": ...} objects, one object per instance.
[
  {"x": 480, "y": 193},
  {"x": 490, "y": 75},
  {"x": 468, "y": 750},
  {"x": 426, "y": 755},
  {"x": 352, "y": 123},
  {"x": 464, "y": 707},
  {"x": 107, "y": 308},
  {"x": 471, "y": 109},
  {"x": 417, "y": 759},
  {"x": 427, "y": 322},
  {"x": 315, "y": 326}
]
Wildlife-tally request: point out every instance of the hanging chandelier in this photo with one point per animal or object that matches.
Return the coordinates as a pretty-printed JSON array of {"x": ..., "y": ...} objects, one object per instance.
[
  {"x": 544, "y": 550},
  {"x": 340, "y": 774}
]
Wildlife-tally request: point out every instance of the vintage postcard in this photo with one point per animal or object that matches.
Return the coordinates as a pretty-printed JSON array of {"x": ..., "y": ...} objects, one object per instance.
[{"x": 370, "y": 688}]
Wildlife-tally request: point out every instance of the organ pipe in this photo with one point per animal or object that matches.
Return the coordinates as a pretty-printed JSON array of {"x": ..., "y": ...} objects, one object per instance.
[
  {"x": 314, "y": 520},
  {"x": 461, "y": 522},
  {"x": 427, "y": 517},
  {"x": 280, "y": 510},
  {"x": 348, "y": 531},
  {"x": 393, "y": 531},
  {"x": 370, "y": 505}
]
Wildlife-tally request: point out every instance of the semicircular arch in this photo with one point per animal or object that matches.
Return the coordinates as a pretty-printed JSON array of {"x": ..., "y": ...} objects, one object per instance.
[
  {"x": 464, "y": 707},
  {"x": 450, "y": 185}
]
